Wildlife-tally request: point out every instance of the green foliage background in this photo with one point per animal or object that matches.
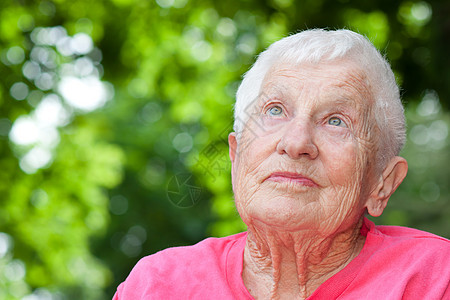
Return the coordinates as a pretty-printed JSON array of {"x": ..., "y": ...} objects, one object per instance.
[{"x": 100, "y": 194}]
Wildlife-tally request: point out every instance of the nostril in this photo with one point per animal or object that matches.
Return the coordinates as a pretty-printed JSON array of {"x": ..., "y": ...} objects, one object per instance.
[{"x": 297, "y": 144}]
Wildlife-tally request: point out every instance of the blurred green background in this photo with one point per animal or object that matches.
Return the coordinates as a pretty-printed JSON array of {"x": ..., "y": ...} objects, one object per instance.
[{"x": 114, "y": 117}]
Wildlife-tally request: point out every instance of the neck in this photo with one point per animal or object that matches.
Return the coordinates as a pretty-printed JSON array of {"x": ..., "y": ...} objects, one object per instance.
[{"x": 293, "y": 265}]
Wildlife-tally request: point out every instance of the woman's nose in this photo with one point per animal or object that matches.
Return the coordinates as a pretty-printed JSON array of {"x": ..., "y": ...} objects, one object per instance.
[{"x": 297, "y": 141}]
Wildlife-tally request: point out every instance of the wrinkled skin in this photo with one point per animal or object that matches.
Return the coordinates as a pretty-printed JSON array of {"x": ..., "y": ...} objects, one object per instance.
[{"x": 304, "y": 172}]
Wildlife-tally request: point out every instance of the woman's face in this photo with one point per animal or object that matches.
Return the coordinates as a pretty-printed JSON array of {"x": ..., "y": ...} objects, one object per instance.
[{"x": 305, "y": 157}]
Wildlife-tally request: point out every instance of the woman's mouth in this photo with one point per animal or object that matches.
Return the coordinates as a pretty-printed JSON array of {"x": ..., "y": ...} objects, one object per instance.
[{"x": 294, "y": 178}]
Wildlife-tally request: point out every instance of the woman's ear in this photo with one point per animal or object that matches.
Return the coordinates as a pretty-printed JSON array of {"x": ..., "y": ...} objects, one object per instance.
[
  {"x": 390, "y": 179},
  {"x": 232, "y": 143}
]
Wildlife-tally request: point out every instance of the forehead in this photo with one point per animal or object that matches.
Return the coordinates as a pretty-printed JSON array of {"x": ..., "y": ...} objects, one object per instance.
[{"x": 339, "y": 80}]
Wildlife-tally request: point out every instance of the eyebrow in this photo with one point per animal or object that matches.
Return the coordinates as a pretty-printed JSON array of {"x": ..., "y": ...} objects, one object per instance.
[
  {"x": 270, "y": 92},
  {"x": 342, "y": 100},
  {"x": 340, "y": 94}
]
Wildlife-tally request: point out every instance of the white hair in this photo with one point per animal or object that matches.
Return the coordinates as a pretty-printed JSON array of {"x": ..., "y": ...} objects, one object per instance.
[{"x": 318, "y": 45}]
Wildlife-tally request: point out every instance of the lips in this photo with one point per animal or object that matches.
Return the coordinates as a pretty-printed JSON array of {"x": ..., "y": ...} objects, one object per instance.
[{"x": 290, "y": 177}]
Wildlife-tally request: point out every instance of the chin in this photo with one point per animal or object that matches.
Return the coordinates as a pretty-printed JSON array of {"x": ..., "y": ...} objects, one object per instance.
[{"x": 285, "y": 215}]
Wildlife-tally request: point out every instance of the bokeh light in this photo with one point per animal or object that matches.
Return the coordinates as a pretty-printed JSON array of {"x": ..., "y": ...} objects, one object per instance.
[{"x": 62, "y": 90}]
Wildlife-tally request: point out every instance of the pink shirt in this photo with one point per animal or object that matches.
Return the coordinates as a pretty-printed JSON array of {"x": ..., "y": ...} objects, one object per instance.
[{"x": 395, "y": 263}]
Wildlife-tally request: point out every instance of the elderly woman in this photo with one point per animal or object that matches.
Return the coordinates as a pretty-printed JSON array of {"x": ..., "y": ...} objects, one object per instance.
[{"x": 319, "y": 124}]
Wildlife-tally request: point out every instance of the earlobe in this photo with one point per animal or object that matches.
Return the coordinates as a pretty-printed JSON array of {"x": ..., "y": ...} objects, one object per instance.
[{"x": 392, "y": 176}]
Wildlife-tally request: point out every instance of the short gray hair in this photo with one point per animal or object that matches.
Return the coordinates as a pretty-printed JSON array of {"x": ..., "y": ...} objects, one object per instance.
[{"x": 318, "y": 45}]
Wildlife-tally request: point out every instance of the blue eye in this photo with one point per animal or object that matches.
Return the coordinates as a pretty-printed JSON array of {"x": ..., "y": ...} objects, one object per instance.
[
  {"x": 335, "y": 121},
  {"x": 275, "y": 111}
]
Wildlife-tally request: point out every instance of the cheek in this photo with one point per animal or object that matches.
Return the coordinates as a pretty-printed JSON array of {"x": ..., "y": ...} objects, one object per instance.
[
  {"x": 344, "y": 164},
  {"x": 256, "y": 144},
  {"x": 338, "y": 154},
  {"x": 254, "y": 148}
]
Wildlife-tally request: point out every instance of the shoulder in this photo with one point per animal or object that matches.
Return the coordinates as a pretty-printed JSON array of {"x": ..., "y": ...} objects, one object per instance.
[
  {"x": 406, "y": 232},
  {"x": 418, "y": 261},
  {"x": 205, "y": 252},
  {"x": 411, "y": 246},
  {"x": 401, "y": 263},
  {"x": 413, "y": 252},
  {"x": 178, "y": 269},
  {"x": 414, "y": 239}
]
